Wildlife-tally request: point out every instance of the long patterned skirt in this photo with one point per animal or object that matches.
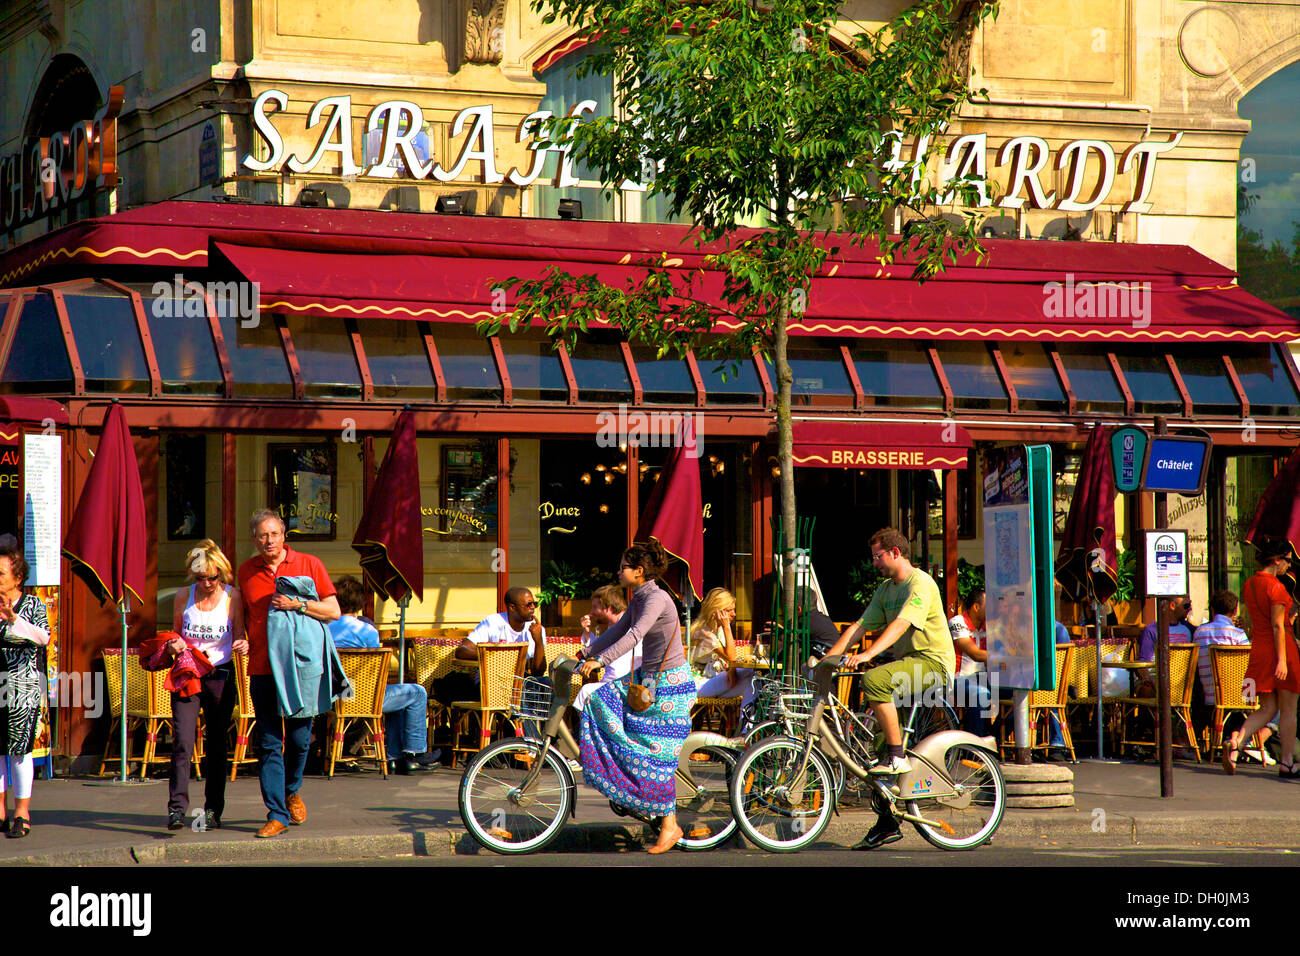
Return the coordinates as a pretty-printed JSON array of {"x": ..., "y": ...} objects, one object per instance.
[{"x": 631, "y": 758}]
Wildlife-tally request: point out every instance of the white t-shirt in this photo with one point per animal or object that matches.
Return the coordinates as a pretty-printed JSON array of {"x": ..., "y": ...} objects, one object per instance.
[
  {"x": 959, "y": 627},
  {"x": 209, "y": 631},
  {"x": 495, "y": 629}
]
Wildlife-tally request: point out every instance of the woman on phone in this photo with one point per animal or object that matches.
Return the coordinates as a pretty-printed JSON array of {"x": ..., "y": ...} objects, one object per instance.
[{"x": 631, "y": 756}]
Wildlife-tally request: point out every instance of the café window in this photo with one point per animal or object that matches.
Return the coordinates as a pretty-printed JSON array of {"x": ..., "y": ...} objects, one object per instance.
[
  {"x": 600, "y": 371},
  {"x": 1207, "y": 383},
  {"x": 186, "y": 472},
  {"x": 326, "y": 357},
  {"x": 1033, "y": 376},
  {"x": 257, "y": 360},
  {"x": 1262, "y": 370},
  {"x": 398, "y": 360},
  {"x": 38, "y": 359},
  {"x": 1149, "y": 380},
  {"x": 468, "y": 368},
  {"x": 534, "y": 366},
  {"x": 896, "y": 374},
  {"x": 972, "y": 375},
  {"x": 182, "y": 342},
  {"x": 664, "y": 381},
  {"x": 301, "y": 480},
  {"x": 467, "y": 508},
  {"x": 730, "y": 383},
  {"x": 1091, "y": 378},
  {"x": 819, "y": 376},
  {"x": 107, "y": 339}
]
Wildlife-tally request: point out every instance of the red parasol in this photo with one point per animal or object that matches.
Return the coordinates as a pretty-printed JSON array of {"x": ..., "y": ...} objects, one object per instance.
[{"x": 674, "y": 514}]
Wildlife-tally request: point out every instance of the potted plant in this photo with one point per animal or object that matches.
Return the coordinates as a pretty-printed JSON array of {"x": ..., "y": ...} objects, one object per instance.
[
  {"x": 561, "y": 584},
  {"x": 1125, "y": 602}
]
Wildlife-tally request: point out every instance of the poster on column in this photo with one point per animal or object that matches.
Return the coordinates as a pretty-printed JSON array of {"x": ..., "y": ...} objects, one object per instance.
[{"x": 1009, "y": 569}]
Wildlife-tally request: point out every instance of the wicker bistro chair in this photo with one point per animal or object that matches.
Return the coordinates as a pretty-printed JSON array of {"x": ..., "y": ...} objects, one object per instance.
[
  {"x": 500, "y": 666},
  {"x": 243, "y": 716},
  {"x": 1082, "y": 681},
  {"x": 428, "y": 659},
  {"x": 148, "y": 702},
  {"x": 367, "y": 668},
  {"x": 1042, "y": 703},
  {"x": 1228, "y": 664},
  {"x": 1182, "y": 680}
]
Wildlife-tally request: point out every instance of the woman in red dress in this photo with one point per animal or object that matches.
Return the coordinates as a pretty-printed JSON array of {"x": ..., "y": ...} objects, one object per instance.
[{"x": 1274, "y": 666}]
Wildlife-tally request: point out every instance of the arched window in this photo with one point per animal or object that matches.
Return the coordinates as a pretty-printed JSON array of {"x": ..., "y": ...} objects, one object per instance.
[{"x": 1268, "y": 192}]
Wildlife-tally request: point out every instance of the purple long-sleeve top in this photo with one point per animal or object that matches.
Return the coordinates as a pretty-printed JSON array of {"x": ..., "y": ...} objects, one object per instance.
[{"x": 651, "y": 618}]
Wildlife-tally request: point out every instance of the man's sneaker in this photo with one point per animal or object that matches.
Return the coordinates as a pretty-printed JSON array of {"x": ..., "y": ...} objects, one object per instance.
[
  {"x": 175, "y": 820},
  {"x": 211, "y": 820},
  {"x": 891, "y": 767},
  {"x": 885, "y": 831}
]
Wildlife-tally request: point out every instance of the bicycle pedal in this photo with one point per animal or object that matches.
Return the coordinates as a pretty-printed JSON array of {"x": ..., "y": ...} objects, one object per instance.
[
  {"x": 501, "y": 833},
  {"x": 698, "y": 833},
  {"x": 702, "y": 758}
]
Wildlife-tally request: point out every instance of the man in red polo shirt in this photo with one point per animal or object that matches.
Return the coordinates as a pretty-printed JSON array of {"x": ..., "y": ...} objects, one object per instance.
[{"x": 279, "y": 766}]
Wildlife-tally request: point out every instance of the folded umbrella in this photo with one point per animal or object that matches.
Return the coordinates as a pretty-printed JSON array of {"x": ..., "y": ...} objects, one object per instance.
[{"x": 674, "y": 515}]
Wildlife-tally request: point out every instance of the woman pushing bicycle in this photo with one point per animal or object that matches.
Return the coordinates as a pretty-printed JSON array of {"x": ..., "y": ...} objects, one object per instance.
[{"x": 631, "y": 755}]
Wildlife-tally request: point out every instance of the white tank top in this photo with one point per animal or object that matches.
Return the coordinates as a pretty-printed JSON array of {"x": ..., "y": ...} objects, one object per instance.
[{"x": 209, "y": 631}]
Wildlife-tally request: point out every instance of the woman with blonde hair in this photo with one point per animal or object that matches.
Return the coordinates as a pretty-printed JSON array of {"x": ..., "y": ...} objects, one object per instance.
[
  {"x": 209, "y": 617},
  {"x": 713, "y": 650}
]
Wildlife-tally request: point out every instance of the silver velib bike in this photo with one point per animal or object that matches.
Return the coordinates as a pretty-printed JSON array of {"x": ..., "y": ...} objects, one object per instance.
[
  {"x": 518, "y": 792},
  {"x": 783, "y": 790}
]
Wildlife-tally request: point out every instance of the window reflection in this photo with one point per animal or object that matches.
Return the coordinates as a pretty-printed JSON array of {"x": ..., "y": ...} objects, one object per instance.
[
  {"x": 325, "y": 356},
  {"x": 398, "y": 360},
  {"x": 896, "y": 374},
  {"x": 107, "y": 339},
  {"x": 468, "y": 368},
  {"x": 38, "y": 360}
]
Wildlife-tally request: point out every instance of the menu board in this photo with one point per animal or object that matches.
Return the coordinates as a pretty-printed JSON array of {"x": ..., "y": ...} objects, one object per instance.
[{"x": 42, "y": 499}]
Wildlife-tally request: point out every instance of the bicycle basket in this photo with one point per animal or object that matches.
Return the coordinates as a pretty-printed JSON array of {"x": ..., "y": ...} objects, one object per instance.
[
  {"x": 531, "y": 698},
  {"x": 794, "y": 699}
]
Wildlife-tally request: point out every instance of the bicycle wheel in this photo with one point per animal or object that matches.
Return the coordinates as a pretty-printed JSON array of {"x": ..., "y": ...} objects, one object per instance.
[
  {"x": 773, "y": 728},
  {"x": 931, "y": 719},
  {"x": 705, "y": 814},
  {"x": 493, "y": 810},
  {"x": 772, "y": 814},
  {"x": 971, "y": 816}
]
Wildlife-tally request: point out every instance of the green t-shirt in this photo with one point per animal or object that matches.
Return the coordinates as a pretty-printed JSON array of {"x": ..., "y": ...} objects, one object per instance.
[{"x": 918, "y": 602}]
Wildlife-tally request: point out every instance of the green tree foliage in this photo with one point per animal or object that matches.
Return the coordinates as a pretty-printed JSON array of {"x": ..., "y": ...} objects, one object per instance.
[{"x": 733, "y": 108}]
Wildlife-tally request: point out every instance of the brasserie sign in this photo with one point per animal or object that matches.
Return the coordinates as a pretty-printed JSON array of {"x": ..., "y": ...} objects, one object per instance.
[
  {"x": 397, "y": 126},
  {"x": 51, "y": 171}
]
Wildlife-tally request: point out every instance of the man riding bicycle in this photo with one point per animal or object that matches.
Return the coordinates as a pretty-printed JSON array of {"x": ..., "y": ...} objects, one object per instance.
[{"x": 909, "y": 605}]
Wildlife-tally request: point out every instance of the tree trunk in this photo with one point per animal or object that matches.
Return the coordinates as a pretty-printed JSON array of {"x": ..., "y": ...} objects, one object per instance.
[{"x": 785, "y": 459}]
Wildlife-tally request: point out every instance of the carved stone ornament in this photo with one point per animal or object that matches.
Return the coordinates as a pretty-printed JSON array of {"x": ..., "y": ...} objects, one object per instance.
[
  {"x": 485, "y": 23},
  {"x": 967, "y": 19}
]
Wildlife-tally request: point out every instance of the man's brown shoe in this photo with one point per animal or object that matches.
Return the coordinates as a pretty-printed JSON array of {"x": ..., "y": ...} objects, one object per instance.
[
  {"x": 272, "y": 828},
  {"x": 297, "y": 809}
]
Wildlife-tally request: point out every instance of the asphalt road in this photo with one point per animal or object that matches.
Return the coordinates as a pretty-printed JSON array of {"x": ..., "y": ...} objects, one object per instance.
[{"x": 912, "y": 856}]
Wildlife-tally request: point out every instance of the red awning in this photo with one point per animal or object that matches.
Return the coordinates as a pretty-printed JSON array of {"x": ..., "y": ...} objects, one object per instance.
[
  {"x": 18, "y": 408},
  {"x": 909, "y": 447},
  {"x": 343, "y": 262}
]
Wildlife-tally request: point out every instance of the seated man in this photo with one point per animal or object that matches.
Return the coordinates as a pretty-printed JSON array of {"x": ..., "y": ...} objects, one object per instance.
[
  {"x": 1180, "y": 628},
  {"x": 607, "y": 606},
  {"x": 516, "y": 624},
  {"x": 407, "y": 734},
  {"x": 910, "y": 607},
  {"x": 970, "y": 688},
  {"x": 1220, "y": 630}
]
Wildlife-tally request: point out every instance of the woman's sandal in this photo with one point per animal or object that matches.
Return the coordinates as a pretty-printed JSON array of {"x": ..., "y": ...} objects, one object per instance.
[
  {"x": 19, "y": 827},
  {"x": 1230, "y": 757},
  {"x": 1291, "y": 772}
]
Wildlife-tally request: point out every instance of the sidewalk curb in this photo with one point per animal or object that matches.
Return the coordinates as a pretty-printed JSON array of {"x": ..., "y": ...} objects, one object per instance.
[{"x": 1026, "y": 829}]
